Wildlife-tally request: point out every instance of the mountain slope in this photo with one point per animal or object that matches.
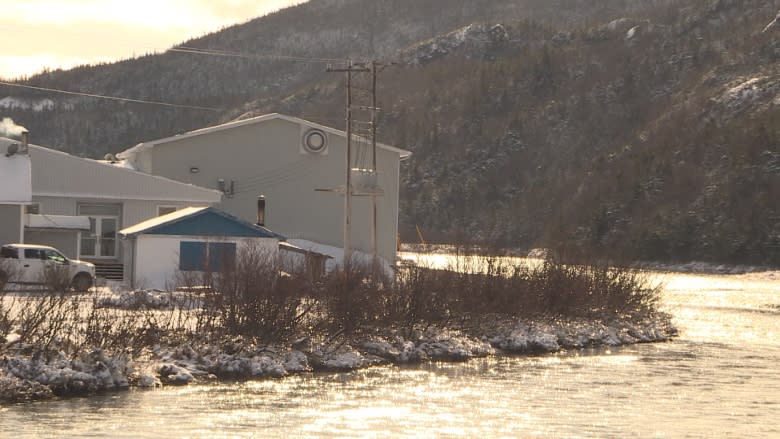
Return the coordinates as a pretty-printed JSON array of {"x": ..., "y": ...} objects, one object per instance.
[{"x": 639, "y": 129}]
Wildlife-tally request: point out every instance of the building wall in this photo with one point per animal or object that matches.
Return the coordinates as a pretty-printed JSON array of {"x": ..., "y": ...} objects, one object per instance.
[
  {"x": 132, "y": 212},
  {"x": 11, "y": 223},
  {"x": 156, "y": 263},
  {"x": 266, "y": 159},
  {"x": 66, "y": 241}
]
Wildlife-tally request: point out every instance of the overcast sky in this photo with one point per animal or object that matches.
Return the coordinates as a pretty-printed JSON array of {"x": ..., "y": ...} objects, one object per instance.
[{"x": 35, "y": 34}]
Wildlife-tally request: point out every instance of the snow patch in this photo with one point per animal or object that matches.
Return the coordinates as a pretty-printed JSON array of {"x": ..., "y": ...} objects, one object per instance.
[
  {"x": 749, "y": 93},
  {"x": 36, "y": 105}
]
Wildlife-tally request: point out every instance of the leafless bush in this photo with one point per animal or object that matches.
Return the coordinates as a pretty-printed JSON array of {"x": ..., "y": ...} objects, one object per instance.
[
  {"x": 252, "y": 298},
  {"x": 357, "y": 297},
  {"x": 474, "y": 286}
]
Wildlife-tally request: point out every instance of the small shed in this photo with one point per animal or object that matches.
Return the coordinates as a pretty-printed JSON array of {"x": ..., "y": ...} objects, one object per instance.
[{"x": 190, "y": 240}]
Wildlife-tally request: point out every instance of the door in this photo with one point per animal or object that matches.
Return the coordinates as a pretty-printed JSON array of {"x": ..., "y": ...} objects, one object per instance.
[
  {"x": 101, "y": 240},
  {"x": 33, "y": 264}
]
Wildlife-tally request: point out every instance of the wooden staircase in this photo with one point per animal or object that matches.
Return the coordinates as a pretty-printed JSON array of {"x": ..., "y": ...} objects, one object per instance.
[{"x": 110, "y": 270}]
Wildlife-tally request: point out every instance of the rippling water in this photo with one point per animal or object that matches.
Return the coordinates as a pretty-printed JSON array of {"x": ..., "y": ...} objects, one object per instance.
[{"x": 719, "y": 378}]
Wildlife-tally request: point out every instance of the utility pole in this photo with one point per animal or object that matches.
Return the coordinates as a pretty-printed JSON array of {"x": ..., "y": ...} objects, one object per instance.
[
  {"x": 374, "y": 110},
  {"x": 349, "y": 70}
]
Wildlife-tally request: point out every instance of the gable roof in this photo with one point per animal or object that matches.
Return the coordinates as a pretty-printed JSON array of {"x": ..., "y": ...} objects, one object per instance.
[
  {"x": 59, "y": 174},
  {"x": 251, "y": 121},
  {"x": 199, "y": 221}
]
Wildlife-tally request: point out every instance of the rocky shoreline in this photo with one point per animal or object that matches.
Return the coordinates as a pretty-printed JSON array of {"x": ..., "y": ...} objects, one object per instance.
[{"x": 26, "y": 375}]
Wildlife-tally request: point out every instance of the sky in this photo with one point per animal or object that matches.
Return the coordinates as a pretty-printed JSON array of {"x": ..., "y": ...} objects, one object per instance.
[{"x": 38, "y": 34}]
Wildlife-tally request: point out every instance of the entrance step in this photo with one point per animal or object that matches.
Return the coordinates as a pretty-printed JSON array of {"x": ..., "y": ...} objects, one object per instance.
[{"x": 109, "y": 270}]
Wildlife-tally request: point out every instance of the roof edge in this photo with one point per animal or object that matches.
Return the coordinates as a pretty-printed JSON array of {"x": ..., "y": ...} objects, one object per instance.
[{"x": 404, "y": 154}]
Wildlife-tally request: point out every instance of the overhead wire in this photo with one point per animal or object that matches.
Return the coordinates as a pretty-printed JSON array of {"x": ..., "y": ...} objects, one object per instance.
[
  {"x": 227, "y": 53},
  {"x": 113, "y": 98}
]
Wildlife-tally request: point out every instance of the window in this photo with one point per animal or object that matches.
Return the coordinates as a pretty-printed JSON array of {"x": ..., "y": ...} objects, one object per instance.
[
  {"x": 165, "y": 210},
  {"x": 9, "y": 252},
  {"x": 192, "y": 256},
  {"x": 202, "y": 256},
  {"x": 101, "y": 240},
  {"x": 34, "y": 208},
  {"x": 53, "y": 255},
  {"x": 33, "y": 253}
]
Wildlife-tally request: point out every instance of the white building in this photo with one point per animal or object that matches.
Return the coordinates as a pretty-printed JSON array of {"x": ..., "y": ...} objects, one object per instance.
[
  {"x": 78, "y": 205},
  {"x": 295, "y": 165},
  {"x": 189, "y": 241},
  {"x": 15, "y": 189}
]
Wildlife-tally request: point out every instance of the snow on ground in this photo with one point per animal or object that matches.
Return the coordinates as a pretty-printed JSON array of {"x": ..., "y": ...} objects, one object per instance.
[
  {"x": 749, "y": 92},
  {"x": 147, "y": 299}
]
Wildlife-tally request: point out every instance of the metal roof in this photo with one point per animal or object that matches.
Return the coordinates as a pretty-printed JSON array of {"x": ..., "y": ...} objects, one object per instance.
[
  {"x": 199, "y": 221},
  {"x": 238, "y": 123},
  {"x": 58, "y": 174}
]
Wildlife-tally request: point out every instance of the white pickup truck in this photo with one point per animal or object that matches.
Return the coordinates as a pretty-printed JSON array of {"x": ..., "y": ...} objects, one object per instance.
[{"x": 30, "y": 264}]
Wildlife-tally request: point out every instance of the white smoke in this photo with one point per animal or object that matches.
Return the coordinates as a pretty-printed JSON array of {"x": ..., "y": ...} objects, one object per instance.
[{"x": 9, "y": 129}]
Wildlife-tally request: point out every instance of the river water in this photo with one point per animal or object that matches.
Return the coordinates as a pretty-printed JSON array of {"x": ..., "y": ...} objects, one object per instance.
[{"x": 719, "y": 378}]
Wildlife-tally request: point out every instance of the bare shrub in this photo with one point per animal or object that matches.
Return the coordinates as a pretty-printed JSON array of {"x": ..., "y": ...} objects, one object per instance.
[{"x": 252, "y": 297}]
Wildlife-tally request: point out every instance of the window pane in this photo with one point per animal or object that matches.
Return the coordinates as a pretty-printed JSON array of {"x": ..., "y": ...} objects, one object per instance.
[
  {"x": 192, "y": 256},
  {"x": 32, "y": 253},
  {"x": 9, "y": 252},
  {"x": 88, "y": 246},
  {"x": 107, "y": 247},
  {"x": 108, "y": 228},
  {"x": 52, "y": 255},
  {"x": 222, "y": 255},
  {"x": 99, "y": 209}
]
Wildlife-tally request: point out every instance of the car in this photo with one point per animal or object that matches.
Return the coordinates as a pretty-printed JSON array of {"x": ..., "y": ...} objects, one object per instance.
[{"x": 34, "y": 264}]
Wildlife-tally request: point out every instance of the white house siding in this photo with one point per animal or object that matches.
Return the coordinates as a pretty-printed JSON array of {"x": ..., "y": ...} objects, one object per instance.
[
  {"x": 266, "y": 159},
  {"x": 11, "y": 223},
  {"x": 156, "y": 262}
]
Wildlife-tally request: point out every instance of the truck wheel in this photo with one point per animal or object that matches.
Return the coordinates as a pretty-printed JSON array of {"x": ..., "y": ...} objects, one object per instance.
[{"x": 82, "y": 282}]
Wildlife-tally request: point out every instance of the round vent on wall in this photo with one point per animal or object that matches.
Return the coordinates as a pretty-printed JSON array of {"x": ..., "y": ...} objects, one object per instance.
[{"x": 315, "y": 141}]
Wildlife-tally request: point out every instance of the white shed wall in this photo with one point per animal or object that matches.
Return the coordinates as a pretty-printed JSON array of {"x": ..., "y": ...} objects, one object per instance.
[{"x": 156, "y": 262}]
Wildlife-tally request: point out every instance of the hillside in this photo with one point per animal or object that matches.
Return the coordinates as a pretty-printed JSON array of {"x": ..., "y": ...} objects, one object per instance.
[{"x": 640, "y": 129}]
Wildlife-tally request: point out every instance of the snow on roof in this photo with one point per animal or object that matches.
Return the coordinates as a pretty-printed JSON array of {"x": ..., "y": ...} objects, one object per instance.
[
  {"x": 160, "y": 220},
  {"x": 67, "y": 222},
  {"x": 337, "y": 254},
  {"x": 238, "y": 123},
  {"x": 294, "y": 248}
]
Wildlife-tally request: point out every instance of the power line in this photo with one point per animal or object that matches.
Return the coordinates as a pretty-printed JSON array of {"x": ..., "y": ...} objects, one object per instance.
[
  {"x": 113, "y": 98},
  {"x": 215, "y": 52}
]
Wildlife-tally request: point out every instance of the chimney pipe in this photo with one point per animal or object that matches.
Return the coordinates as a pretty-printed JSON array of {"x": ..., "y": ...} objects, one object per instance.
[
  {"x": 25, "y": 141},
  {"x": 261, "y": 210}
]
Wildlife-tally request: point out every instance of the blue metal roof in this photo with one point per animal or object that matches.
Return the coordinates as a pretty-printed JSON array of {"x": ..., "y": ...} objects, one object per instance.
[{"x": 202, "y": 222}]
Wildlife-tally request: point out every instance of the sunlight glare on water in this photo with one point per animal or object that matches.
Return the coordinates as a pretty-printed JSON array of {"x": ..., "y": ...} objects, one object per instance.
[{"x": 718, "y": 379}]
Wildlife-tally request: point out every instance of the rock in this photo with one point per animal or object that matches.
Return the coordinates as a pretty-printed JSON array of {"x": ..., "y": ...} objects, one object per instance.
[
  {"x": 174, "y": 375},
  {"x": 296, "y": 362}
]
